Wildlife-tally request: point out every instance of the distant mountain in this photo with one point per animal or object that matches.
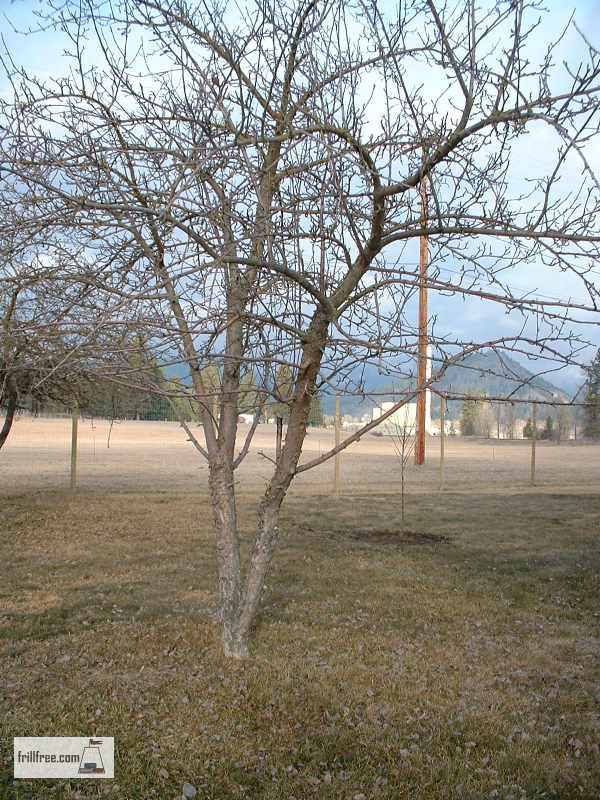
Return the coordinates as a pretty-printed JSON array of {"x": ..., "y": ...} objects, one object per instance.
[
  {"x": 498, "y": 376},
  {"x": 485, "y": 373}
]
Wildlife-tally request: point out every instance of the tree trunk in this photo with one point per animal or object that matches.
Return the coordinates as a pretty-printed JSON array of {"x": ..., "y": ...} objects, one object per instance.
[
  {"x": 267, "y": 536},
  {"x": 238, "y": 611},
  {"x": 267, "y": 533},
  {"x": 228, "y": 559},
  {"x": 11, "y": 408}
]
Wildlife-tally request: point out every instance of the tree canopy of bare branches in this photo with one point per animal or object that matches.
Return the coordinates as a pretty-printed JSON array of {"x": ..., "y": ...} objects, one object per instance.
[
  {"x": 44, "y": 343},
  {"x": 241, "y": 187}
]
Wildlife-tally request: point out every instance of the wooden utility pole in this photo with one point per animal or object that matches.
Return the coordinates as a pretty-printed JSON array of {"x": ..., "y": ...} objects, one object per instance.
[
  {"x": 533, "y": 441},
  {"x": 278, "y": 438},
  {"x": 336, "y": 473},
  {"x": 422, "y": 351},
  {"x": 74, "y": 423},
  {"x": 442, "y": 439}
]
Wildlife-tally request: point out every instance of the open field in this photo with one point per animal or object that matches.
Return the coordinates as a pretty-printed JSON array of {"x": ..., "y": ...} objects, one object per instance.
[
  {"x": 156, "y": 456},
  {"x": 456, "y": 658}
]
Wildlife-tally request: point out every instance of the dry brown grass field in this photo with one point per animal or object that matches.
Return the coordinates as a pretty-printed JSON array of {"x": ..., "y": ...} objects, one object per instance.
[
  {"x": 156, "y": 456},
  {"x": 453, "y": 657}
]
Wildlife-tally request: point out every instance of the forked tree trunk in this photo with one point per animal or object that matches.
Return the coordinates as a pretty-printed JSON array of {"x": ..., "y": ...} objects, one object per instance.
[
  {"x": 239, "y": 611},
  {"x": 240, "y": 599},
  {"x": 239, "y": 604}
]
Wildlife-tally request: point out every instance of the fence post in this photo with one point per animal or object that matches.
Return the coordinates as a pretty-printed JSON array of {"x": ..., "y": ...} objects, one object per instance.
[
  {"x": 442, "y": 439},
  {"x": 74, "y": 424},
  {"x": 336, "y": 475},
  {"x": 533, "y": 441}
]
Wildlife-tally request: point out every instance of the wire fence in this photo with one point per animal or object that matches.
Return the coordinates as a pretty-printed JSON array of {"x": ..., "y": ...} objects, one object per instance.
[
  {"x": 146, "y": 408},
  {"x": 154, "y": 455}
]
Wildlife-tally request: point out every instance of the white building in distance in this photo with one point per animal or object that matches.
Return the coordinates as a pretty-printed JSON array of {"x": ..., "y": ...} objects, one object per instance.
[{"x": 406, "y": 416}]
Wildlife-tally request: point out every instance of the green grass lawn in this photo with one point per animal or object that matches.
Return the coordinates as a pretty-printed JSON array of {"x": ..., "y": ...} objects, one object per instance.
[{"x": 457, "y": 657}]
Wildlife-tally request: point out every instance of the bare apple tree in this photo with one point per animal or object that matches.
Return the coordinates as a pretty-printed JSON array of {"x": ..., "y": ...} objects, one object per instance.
[
  {"x": 243, "y": 183},
  {"x": 42, "y": 345},
  {"x": 58, "y": 347},
  {"x": 401, "y": 428}
]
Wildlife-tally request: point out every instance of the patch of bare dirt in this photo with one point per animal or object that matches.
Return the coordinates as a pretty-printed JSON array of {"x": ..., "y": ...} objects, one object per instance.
[{"x": 367, "y": 537}]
